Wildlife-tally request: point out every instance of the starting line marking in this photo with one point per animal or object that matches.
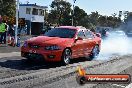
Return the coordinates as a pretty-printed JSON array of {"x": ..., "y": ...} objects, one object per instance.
[
  {"x": 129, "y": 86},
  {"x": 119, "y": 85}
]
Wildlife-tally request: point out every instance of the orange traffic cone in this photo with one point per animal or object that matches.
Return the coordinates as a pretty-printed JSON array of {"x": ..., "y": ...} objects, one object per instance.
[
  {"x": 81, "y": 71},
  {"x": 9, "y": 39}
]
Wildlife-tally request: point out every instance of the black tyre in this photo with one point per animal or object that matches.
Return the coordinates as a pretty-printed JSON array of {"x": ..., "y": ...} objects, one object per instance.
[
  {"x": 29, "y": 61},
  {"x": 81, "y": 80},
  {"x": 66, "y": 56},
  {"x": 95, "y": 52}
]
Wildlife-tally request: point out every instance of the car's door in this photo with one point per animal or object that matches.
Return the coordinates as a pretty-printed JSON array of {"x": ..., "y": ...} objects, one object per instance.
[
  {"x": 89, "y": 42},
  {"x": 78, "y": 46}
]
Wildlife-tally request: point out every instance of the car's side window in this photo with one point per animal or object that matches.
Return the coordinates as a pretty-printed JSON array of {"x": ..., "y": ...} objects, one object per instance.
[
  {"x": 81, "y": 34},
  {"x": 89, "y": 34}
]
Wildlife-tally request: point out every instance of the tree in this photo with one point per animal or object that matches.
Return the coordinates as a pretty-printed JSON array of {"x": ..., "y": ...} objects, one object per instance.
[
  {"x": 127, "y": 27},
  {"x": 114, "y": 15},
  {"x": 126, "y": 13},
  {"x": 102, "y": 21},
  {"x": 7, "y": 7},
  {"x": 60, "y": 12},
  {"x": 78, "y": 15},
  {"x": 128, "y": 18},
  {"x": 120, "y": 14},
  {"x": 94, "y": 16}
]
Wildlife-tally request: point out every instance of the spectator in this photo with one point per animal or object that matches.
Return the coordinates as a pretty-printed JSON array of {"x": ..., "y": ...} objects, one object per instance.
[
  {"x": 2, "y": 31},
  {"x": 11, "y": 30}
]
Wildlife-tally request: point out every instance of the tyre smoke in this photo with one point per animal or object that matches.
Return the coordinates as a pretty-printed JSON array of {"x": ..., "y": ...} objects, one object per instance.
[{"x": 117, "y": 43}]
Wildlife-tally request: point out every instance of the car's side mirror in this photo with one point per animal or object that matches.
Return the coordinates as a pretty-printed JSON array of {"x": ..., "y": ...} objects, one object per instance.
[
  {"x": 78, "y": 38},
  {"x": 98, "y": 35}
]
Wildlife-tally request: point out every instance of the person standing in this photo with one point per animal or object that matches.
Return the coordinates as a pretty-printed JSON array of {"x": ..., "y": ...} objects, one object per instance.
[
  {"x": 2, "y": 31},
  {"x": 5, "y": 33}
]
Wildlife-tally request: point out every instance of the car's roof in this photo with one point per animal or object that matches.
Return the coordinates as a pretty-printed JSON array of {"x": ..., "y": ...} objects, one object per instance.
[{"x": 72, "y": 27}]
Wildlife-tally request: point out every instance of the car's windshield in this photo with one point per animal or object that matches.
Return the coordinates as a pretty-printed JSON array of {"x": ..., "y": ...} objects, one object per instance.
[{"x": 61, "y": 32}]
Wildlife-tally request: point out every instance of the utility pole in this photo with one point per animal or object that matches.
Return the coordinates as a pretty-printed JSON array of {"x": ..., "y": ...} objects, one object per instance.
[
  {"x": 31, "y": 26},
  {"x": 74, "y": 1},
  {"x": 73, "y": 17},
  {"x": 17, "y": 17}
]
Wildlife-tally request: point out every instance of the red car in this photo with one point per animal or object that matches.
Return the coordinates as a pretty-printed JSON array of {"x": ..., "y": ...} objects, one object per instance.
[{"x": 62, "y": 44}]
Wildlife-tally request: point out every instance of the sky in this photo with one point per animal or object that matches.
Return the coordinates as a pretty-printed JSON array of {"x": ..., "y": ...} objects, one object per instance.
[{"x": 104, "y": 7}]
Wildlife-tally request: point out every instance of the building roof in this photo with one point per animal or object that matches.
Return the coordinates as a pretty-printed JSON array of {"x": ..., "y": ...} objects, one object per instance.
[{"x": 33, "y": 5}]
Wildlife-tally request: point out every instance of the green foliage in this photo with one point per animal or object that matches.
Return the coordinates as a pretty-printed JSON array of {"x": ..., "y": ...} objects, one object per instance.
[
  {"x": 126, "y": 25},
  {"x": 128, "y": 18},
  {"x": 93, "y": 17},
  {"x": 109, "y": 21},
  {"x": 7, "y": 7},
  {"x": 62, "y": 14},
  {"x": 79, "y": 15}
]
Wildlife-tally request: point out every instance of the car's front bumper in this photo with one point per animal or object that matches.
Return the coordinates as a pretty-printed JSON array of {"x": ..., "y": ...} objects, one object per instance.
[{"x": 48, "y": 56}]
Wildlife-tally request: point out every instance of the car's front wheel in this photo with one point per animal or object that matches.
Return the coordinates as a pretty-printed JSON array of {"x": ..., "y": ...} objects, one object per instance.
[
  {"x": 95, "y": 52},
  {"x": 66, "y": 56}
]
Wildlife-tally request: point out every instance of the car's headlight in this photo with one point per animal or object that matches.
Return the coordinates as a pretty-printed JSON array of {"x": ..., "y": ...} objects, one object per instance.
[
  {"x": 53, "y": 47},
  {"x": 25, "y": 44}
]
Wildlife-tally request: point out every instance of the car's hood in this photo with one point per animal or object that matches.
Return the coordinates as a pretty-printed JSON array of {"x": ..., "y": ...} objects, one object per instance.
[{"x": 49, "y": 40}]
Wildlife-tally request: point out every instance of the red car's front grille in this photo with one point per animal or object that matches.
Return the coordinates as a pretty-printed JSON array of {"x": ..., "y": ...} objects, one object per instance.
[{"x": 34, "y": 46}]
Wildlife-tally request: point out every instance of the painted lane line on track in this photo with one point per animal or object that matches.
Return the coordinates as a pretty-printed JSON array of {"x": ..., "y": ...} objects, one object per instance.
[
  {"x": 4, "y": 55},
  {"x": 129, "y": 86},
  {"x": 40, "y": 74},
  {"x": 118, "y": 85}
]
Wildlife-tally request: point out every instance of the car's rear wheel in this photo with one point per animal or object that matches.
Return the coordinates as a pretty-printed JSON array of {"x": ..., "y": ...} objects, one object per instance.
[
  {"x": 95, "y": 52},
  {"x": 66, "y": 56}
]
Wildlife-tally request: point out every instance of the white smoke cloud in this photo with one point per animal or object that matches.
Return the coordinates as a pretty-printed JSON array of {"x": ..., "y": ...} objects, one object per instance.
[{"x": 115, "y": 45}]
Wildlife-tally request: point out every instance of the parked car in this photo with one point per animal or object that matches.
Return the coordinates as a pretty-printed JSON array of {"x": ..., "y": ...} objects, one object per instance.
[{"x": 61, "y": 44}]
